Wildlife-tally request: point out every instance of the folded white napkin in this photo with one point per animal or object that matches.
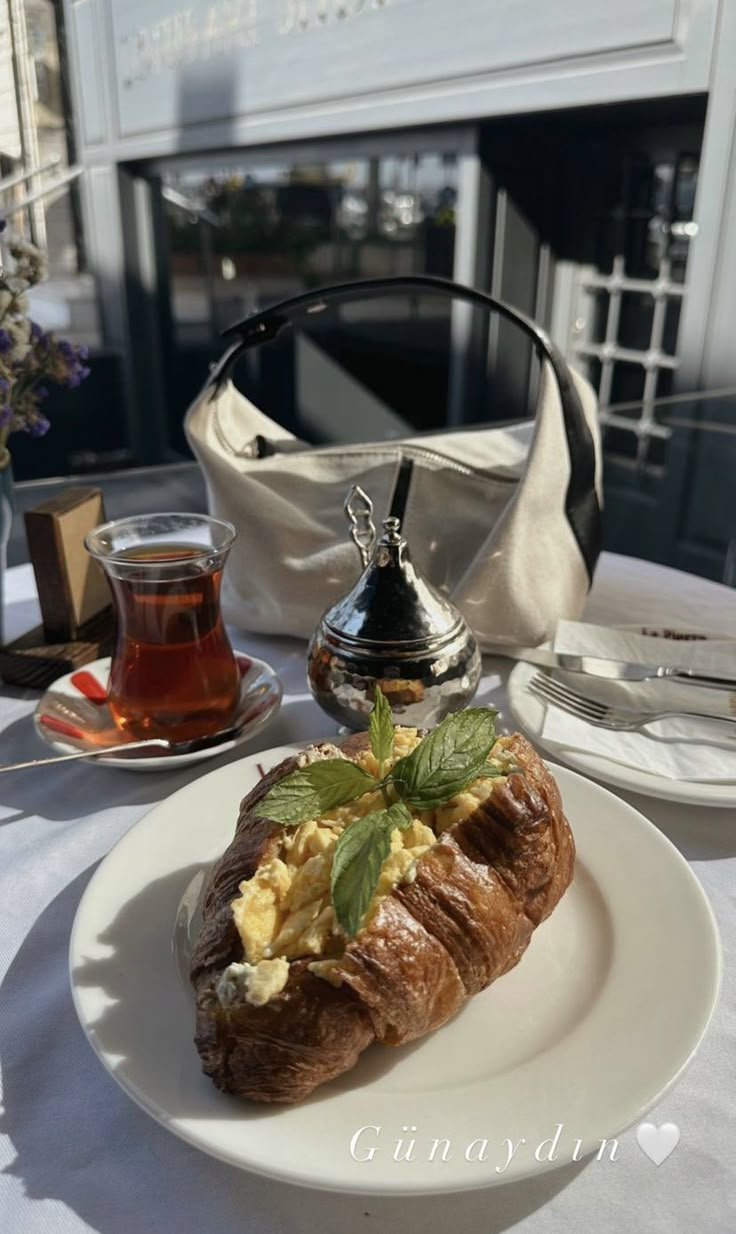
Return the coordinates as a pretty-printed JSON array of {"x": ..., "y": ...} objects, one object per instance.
[{"x": 690, "y": 751}]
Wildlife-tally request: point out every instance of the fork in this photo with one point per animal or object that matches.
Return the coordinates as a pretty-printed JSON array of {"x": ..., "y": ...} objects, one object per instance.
[{"x": 604, "y": 716}]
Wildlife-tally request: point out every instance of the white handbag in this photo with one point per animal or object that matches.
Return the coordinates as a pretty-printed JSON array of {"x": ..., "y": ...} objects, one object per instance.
[{"x": 505, "y": 520}]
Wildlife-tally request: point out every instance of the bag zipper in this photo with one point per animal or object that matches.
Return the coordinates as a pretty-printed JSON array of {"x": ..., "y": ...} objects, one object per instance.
[
  {"x": 415, "y": 451},
  {"x": 373, "y": 448}
]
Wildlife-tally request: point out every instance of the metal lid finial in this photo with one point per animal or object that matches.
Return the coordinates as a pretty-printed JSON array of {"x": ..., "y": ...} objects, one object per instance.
[{"x": 392, "y": 528}]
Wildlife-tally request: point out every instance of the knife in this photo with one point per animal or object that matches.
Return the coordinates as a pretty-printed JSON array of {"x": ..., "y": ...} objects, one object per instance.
[{"x": 612, "y": 670}]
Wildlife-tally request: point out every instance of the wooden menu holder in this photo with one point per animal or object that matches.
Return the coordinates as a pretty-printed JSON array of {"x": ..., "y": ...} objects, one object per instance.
[{"x": 78, "y": 623}]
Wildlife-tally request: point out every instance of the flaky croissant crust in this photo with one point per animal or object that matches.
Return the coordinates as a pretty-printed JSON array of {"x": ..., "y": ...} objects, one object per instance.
[{"x": 467, "y": 917}]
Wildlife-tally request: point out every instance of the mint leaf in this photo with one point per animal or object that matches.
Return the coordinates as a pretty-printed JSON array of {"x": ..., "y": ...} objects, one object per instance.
[
  {"x": 381, "y": 729},
  {"x": 399, "y": 817},
  {"x": 312, "y": 790},
  {"x": 447, "y": 760},
  {"x": 356, "y": 865}
]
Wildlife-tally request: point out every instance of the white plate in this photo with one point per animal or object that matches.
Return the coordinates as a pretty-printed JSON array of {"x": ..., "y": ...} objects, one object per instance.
[
  {"x": 529, "y": 712},
  {"x": 590, "y": 1030},
  {"x": 260, "y": 699}
]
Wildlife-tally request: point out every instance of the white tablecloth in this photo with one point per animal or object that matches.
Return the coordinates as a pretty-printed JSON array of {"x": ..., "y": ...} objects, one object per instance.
[{"x": 77, "y": 1155}]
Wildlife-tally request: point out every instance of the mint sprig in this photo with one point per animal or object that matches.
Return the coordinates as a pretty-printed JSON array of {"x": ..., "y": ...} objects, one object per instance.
[
  {"x": 445, "y": 762},
  {"x": 314, "y": 790},
  {"x": 356, "y": 865},
  {"x": 381, "y": 730}
]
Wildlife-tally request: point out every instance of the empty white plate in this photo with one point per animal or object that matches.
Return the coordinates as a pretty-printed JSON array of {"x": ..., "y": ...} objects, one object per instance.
[{"x": 529, "y": 711}]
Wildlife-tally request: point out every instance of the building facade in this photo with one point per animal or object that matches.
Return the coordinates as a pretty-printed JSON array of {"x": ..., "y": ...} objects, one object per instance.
[{"x": 578, "y": 160}]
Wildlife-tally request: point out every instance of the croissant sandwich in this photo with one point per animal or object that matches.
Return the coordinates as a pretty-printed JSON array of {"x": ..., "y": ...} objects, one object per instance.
[{"x": 370, "y": 889}]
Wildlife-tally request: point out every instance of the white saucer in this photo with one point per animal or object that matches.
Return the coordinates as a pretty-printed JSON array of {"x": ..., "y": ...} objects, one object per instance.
[
  {"x": 260, "y": 699},
  {"x": 529, "y": 712},
  {"x": 590, "y": 1030}
]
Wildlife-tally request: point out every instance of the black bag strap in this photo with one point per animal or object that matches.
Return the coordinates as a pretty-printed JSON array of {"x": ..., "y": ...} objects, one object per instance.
[{"x": 581, "y": 500}]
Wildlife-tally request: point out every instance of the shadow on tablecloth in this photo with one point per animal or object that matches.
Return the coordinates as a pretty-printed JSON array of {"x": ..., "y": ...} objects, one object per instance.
[
  {"x": 77, "y": 789},
  {"x": 80, "y": 1141}
]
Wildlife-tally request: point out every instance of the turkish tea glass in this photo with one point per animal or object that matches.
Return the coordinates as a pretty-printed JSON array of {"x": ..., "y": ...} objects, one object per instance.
[{"x": 173, "y": 672}]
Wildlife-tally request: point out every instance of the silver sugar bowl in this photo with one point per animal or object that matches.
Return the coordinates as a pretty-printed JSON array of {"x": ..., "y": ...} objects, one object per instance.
[{"x": 392, "y": 630}]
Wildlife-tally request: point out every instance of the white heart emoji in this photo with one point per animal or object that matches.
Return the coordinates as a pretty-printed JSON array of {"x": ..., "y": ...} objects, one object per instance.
[{"x": 657, "y": 1142}]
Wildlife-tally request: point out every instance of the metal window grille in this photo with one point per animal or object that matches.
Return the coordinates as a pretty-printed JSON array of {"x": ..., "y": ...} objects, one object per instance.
[{"x": 609, "y": 351}]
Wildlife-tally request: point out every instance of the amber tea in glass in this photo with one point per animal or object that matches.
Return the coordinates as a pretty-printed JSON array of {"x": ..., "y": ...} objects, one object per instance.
[{"x": 173, "y": 672}]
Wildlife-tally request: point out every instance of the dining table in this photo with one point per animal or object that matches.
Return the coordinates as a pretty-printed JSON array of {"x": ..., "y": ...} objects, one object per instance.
[{"x": 76, "y": 1154}]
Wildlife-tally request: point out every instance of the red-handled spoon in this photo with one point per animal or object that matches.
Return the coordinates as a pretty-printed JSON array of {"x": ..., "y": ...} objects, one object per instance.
[{"x": 89, "y": 686}]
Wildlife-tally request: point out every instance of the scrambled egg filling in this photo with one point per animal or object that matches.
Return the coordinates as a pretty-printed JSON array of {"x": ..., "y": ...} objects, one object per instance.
[
  {"x": 259, "y": 982},
  {"x": 284, "y": 911}
]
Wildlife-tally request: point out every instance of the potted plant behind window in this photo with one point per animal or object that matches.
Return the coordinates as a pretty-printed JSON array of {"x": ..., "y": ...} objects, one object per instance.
[{"x": 29, "y": 357}]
